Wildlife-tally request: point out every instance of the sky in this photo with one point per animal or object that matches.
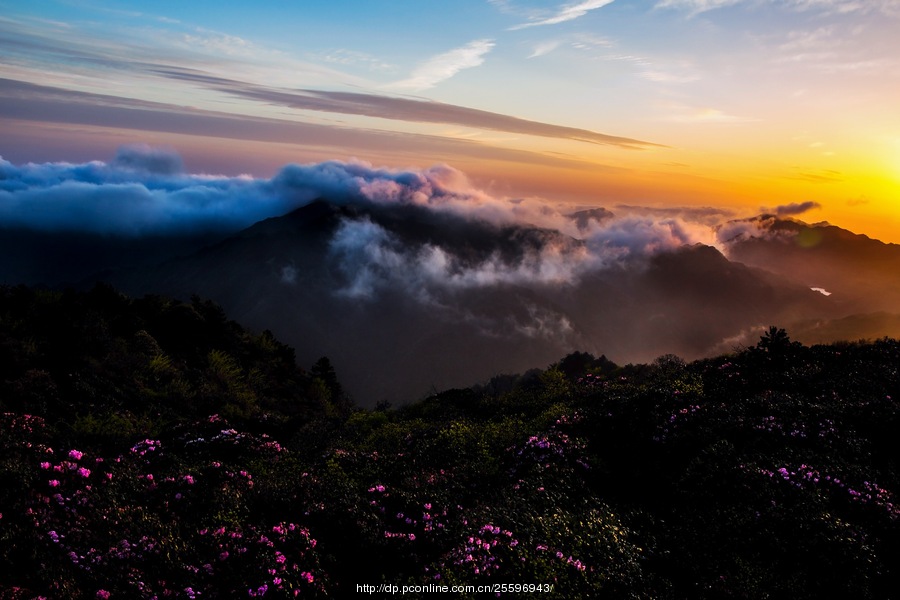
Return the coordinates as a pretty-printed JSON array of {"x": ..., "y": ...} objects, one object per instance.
[{"x": 743, "y": 105}]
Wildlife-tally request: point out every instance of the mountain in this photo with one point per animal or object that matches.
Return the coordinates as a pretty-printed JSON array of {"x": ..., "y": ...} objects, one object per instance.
[
  {"x": 406, "y": 299},
  {"x": 860, "y": 274},
  {"x": 857, "y": 270}
]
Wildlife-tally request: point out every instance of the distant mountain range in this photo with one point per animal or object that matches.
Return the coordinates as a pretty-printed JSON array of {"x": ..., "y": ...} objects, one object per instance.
[{"x": 405, "y": 299}]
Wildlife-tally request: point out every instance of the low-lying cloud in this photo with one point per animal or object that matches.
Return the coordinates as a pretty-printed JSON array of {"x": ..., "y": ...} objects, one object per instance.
[
  {"x": 410, "y": 278},
  {"x": 145, "y": 190},
  {"x": 427, "y": 231}
]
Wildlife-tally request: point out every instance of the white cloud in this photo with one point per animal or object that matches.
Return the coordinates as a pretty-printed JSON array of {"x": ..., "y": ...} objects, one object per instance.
[
  {"x": 848, "y": 6},
  {"x": 888, "y": 7},
  {"x": 545, "y": 48},
  {"x": 569, "y": 12},
  {"x": 696, "y": 6},
  {"x": 346, "y": 57},
  {"x": 446, "y": 65}
]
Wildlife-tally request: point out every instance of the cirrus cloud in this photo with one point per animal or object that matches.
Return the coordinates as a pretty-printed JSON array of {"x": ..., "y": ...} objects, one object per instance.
[
  {"x": 569, "y": 12},
  {"x": 444, "y": 66}
]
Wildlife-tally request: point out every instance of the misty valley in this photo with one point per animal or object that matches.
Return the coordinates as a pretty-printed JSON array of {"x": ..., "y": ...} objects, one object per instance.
[{"x": 416, "y": 281}]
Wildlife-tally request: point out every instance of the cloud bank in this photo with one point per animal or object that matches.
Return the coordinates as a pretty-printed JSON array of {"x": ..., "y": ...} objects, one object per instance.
[
  {"x": 472, "y": 239},
  {"x": 145, "y": 191}
]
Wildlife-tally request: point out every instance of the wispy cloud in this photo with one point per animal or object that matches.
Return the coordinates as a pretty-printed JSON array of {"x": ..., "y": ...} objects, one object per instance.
[
  {"x": 585, "y": 42},
  {"x": 94, "y": 53},
  {"x": 817, "y": 176},
  {"x": 705, "y": 115},
  {"x": 668, "y": 73},
  {"x": 696, "y": 6},
  {"x": 34, "y": 103},
  {"x": 400, "y": 109},
  {"x": 545, "y": 48},
  {"x": 444, "y": 66},
  {"x": 346, "y": 57},
  {"x": 569, "y": 12},
  {"x": 888, "y": 7}
]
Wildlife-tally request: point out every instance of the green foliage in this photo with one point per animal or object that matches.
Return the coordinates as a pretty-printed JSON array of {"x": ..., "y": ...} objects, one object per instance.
[{"x": 84, "y": 359}]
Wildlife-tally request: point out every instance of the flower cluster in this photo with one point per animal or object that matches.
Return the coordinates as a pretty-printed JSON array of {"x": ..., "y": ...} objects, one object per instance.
[
  {"x": 406, "y": 523},
  {"x": 824, "y": 428},
  {"x": 552, "y": 447},
  {"x": 675, "y": 420},
  {"x": 144, "y": 447},
  {"x": 280, "y": 558},
  {"x": 866, "y": 493},
  {"x": 125, "y": 524},
  {"x": 483, "y": 552},
  {"x": 591, "y": 383}
]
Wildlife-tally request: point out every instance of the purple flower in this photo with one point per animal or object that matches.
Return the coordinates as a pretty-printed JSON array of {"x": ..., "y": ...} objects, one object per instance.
[{"x": 76, "y": 455}]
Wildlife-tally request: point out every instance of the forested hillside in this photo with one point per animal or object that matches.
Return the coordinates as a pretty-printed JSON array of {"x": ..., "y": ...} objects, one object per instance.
[{"x": 154, "y": 449}]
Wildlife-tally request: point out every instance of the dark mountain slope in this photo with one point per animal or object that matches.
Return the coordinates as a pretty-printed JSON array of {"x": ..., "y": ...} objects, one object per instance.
[
  {"x": 405, "y": 299},
  {"x": 861, "y": 273}
]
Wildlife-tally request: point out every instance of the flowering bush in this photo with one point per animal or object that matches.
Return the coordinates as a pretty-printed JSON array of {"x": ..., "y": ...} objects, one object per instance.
[{"x": 771, "y": 472}]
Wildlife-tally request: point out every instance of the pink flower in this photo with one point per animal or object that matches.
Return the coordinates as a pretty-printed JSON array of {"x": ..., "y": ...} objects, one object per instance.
[
  {"x": 53, "y": 482},
  {"x": 102, "y": 594},
  {"x": 84, "y": 472},
  {"x": 76, "y": 455},
  {"x": 45, "y": 465}
]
